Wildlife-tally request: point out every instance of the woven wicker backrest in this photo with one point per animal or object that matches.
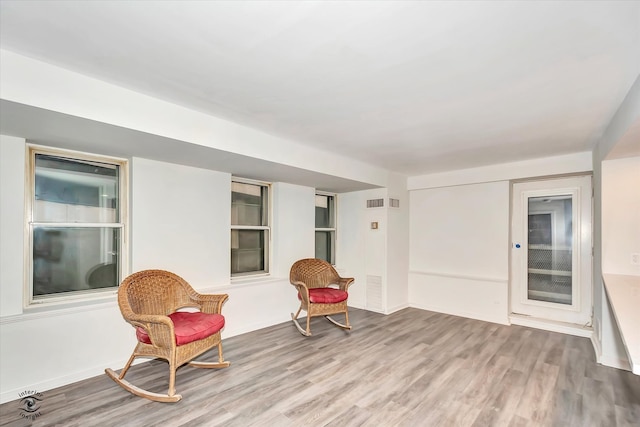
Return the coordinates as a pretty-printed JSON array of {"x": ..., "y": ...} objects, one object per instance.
[
  {"x": 154, "y": 292},
  {"x": 315, "y": 273}
]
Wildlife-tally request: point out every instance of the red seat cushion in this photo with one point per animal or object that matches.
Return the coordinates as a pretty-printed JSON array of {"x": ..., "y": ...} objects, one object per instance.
[
  {"x": 189, "y": 327},
  {"x": 326, "y": 295}
]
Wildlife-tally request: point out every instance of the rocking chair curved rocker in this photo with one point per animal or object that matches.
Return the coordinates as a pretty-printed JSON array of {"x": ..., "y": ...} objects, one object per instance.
[
  {"x": 321, "y": 291},
  {"x": 150, "y": 301}
]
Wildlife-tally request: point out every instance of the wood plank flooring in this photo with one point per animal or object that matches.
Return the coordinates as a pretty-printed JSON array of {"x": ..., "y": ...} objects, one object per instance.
[{"x": 411, "y": 368}]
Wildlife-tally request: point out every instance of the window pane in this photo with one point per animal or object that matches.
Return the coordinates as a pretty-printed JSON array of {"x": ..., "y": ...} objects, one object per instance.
[
  {"x": 74, "y": 259},
  {"x": 248, "y": 204},
  {"x": 324, "y": 211},
  {"x": 324, "y": 246},
  {"x": 75, "y": 190},
  {"x": 247, "y": 251}
]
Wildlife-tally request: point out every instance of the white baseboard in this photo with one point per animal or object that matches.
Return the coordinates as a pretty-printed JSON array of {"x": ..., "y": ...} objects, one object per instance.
[
  {"x": 397, "y": 308},
  {"x": 44, "y": 386},
  {"x": 468, "y": 314},
  {"x": 362, "y": 307},
  {"x": 597, "y": 347},
  {"x": 387, "y": 311},
  {"x": 553, "y": 326},
  {"x": 614, "y": 362}
]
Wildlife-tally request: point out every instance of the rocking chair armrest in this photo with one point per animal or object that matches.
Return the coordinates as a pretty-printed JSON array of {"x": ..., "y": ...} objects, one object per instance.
[
  {"x": 303, "y": 290},
  {"x": 210, "y": 303},
  {"x": 158, "y": 327},
  {"x": 345, "y": 282}
]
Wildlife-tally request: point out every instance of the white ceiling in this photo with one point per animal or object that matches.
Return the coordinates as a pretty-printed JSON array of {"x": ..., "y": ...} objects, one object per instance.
[{"x": 414, "y": 87}]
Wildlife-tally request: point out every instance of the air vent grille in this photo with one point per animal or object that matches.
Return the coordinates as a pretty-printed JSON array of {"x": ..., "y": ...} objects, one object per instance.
[
  {"x": 375, "y": 203},
  {"x": 394, "y": 203},
  {"x": 374, "y": 293}
]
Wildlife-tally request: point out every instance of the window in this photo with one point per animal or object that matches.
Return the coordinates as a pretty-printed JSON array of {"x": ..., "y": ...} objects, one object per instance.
[
  {"x": 76, "y": 220},
  {"x": 249, "y": 227},
  {"x": 325, "y": 227}
]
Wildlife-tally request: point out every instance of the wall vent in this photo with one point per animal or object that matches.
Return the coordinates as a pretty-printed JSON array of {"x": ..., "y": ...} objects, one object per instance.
[
  {"x": 375, "y": 203},
  {"x": 374, "y": 293},
  {"x": 394, "y": 203}
]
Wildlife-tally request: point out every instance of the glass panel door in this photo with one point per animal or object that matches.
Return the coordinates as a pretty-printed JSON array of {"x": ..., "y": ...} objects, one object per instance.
[{"x": 550, "y": 274}]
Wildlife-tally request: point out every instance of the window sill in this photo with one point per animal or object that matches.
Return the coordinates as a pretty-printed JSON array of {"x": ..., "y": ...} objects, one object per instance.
[{"x": 241, "y": 282}]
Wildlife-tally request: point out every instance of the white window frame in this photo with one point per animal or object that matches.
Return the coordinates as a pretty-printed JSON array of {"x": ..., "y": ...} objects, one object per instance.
[
  {"x": 335, "y": 221},
  {"x": 123, "y": 203},
  {"x": 265, "y": 227}
]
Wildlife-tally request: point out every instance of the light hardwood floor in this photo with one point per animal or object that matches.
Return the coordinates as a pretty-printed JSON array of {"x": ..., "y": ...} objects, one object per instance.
[{"x": 411, "y": 368}]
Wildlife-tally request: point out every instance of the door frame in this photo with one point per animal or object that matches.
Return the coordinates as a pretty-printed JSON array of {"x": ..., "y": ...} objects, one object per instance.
[{"x": 581, "y": 309}]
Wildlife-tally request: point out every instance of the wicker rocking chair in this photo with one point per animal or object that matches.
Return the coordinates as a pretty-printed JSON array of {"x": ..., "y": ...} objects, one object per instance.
[
  {"x": 321, "y": 292},
  {"x": 149, "y": 300}
]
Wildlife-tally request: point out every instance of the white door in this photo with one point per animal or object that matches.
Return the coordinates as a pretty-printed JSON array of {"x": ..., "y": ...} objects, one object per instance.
[{"x": 551, "y": 249}]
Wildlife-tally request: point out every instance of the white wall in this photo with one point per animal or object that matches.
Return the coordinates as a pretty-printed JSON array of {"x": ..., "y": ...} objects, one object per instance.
[
  {"x": 458, "y": 256},
  {"x": 180, "y": 221},
  {"x": 620, "y": 215},
  {"x": 293, "y": 226},
  {"x": 548, "y": 166},
  {"x": 374, "y": 278},
  {"x": 350, "y": 244},
  {"x": 12, "y": 158},
  {"x": 378, "y": 259},
  {"x": 362, "y": 249},
  {"x": 398, "y": 247}
]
